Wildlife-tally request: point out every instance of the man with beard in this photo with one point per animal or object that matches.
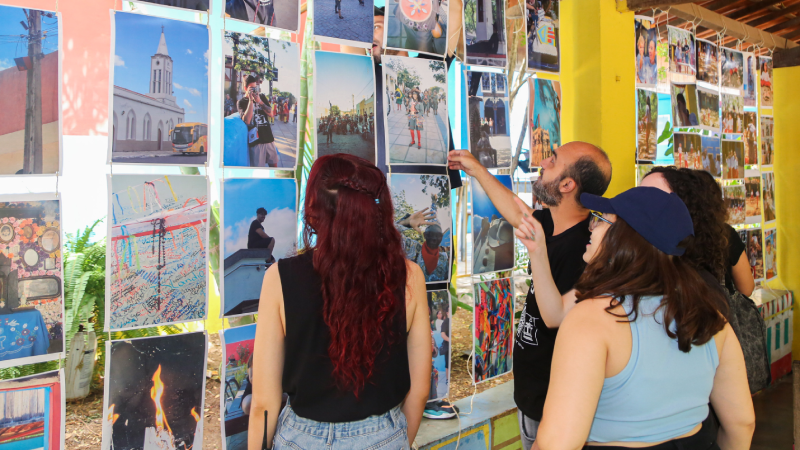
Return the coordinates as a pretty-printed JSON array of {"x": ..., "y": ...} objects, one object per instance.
[{"x": 573, "y": 168}]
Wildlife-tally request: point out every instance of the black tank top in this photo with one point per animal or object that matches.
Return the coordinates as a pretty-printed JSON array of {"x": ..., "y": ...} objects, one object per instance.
[{"x": 307, "y": 368}]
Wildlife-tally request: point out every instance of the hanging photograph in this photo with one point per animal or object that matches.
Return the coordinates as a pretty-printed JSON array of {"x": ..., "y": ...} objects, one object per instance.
[
  {"x": 767, "y": 141},
  {"x": 32, "y": 412},
  {"x": 154, "y": 392},
  {"x": 344, "y": 103},
  {"x": 732, "y": 160},
  {"x": 485, "y": 32},
  {"x": 770, "y": 253},
  {"x": 544, "y": 40},
  {"x": 195, "y": 5},
  {"x": 416, "y": 120},
  {"x": 731, "y": 68},
  {"x": 281, "y": 14},
  {"x": 156, "y": 255},
  {"x": 750, "y": 78},
  {"x": 752, "y": 187},
  {"x": 734, "y": 203},
  {"x": 684, "y": 105},
  {"x": 417, "y": 26},
  {"x": 30, "y": 80},
  {"x": 350, "y": 23},
  {"x": 493, "y": 329},
  {"x": 259, "y": 227},
  {"x": 682, "y": 53},
  {"x": 260, "y": 101},
  {"x": 237, "y": 371},
  {"x": 755, "y": 252},
  {"x": 31, "y": 284},
  {"x": 544, "y": 116},
  {"x": 159, "y": 101},
  {"x": 492, "y": 234},
  {"x": 732, "y": 114},
  {"x": 488, "y": 114},
  {"x": 707, "y": 62},
  {"x": 646, "y": 52},
  {"x": 768, "y": 196},
  {"x": 750, "y": 138},
  {"x": 708, "y": 105},
  {"x": 439, "y": 307},
  {"x": 765, "y": 73},
  {"x": 429, "y": 245},
  {"x": 687, "y": 149},
  {"x": 712, "y": 161}
]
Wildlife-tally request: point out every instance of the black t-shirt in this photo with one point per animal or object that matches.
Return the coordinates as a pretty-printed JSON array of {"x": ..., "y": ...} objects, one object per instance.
[
  {"x": 261, "y": 120},
  {"x": 533, "y": 349},
  {"x": 254, "y": 240},
  {"x": 735, "y": 249},
  {"x": 445, "y": 347}
]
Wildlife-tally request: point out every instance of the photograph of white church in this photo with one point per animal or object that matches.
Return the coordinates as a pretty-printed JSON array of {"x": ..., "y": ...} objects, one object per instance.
[{"x": 160, "y": 93}]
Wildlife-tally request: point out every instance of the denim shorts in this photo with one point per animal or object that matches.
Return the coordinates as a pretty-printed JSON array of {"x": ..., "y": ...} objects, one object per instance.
[{"x": 388, "y": 431}]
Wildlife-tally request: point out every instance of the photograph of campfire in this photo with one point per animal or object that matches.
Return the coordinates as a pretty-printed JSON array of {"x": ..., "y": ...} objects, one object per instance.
[
  {"x": 32, "y": 412},
  {"x": 154, "y": 392}
]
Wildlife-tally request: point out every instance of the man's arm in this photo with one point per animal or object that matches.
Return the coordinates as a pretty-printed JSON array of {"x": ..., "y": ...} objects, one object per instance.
[
  {"x": 262, "y": 233},
  {"x": 501, "y": 196}
]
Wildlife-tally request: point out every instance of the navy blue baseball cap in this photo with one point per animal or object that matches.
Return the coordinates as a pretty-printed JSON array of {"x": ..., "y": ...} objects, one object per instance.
[{"x": 661, "y": 218}]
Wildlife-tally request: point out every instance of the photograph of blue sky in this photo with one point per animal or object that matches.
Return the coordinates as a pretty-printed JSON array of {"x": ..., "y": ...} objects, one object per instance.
[
  {"x": 136, "y": 40},
  {"x": 243, "y": 196},
  {"x": 544, "y": 109},
  {"x": 482, "y": 206},
  {"x": 239, "y": 334},
  {"x": 339, "y": 77},
  {"x": 12, "y": 45}
]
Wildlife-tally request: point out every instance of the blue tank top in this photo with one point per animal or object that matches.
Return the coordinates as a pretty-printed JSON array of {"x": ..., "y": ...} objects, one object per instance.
[{"x": 662, "y": 392}]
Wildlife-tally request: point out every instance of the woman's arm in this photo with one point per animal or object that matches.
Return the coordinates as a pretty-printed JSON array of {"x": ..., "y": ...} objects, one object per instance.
[
  {"x": 419, "y": 350},
  {"x": 743, "y": 276},
  {"x": 730, "y": 395},
  {"x": 268, "y": 361}
]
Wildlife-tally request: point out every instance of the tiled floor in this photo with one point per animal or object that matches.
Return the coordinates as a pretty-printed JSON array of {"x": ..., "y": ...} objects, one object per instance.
[
  {"x": 286, "y": 139},
  {"x": 434, "y": 138},
  {"x": 356, "y": 24}
]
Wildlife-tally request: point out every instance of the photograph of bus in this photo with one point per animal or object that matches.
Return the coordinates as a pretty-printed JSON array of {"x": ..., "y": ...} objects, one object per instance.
[{"x": 191, "y": 137}]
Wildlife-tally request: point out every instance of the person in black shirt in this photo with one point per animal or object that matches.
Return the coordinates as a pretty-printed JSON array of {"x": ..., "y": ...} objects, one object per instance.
[
  {"x": 573, "y": 168},
  {"x": 257, "y": 237}
]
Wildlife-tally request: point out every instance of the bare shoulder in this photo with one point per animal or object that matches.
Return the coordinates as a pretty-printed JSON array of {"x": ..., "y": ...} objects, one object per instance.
[
  {"x": 592, "y": 315},
  {"x": 722, "y": 336},
  {"x": 414, "y": 276},
  {"x": 271, "y": 289}
]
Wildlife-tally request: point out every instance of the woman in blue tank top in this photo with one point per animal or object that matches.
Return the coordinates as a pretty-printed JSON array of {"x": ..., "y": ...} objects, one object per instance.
[{"x": 645, "y": 349}]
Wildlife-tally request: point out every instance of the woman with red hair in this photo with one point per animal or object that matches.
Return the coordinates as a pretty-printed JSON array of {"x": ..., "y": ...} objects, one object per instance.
[{"x": 343, "y": 327}]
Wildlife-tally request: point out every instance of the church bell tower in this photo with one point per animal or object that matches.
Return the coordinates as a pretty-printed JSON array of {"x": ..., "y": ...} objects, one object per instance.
[{"x": 161, "y": 74}]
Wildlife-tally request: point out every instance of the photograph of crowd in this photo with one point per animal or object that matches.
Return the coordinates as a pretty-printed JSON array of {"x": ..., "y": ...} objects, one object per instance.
[
  {"x": 261, "y": 88},
  {"x": 732, "y": 160},
  {"x": 707, "y": 62},
  {"x": 767, "y": 140},
  {"x": 684, "y": 105},
  {"x": 731, "y": 68},
  {"x": 735, "y": 203},
  {"x": 416, "y": 25},
  {"x": 485, "y": 32},
  {"x": 544, "y": 40},
  {"x": 750, "y": 79},
  {"x": 30, "y": 131},
  {"x": 732, "y": 113},
  {"x": 544, "y": 116},
  {"x": 770, "y": 253},
  {"x": 752, "y": 187},
  {"x": 765, "y": 72},
  {"x": 492, "y": 234},
  {"x": 283, "y": 14},
  {"x": 344, "y": 21},
  {"x": 755, "y": 252},
  {"x": 422, "y": 215},
  {"x": 687, "y": 150},
  {"x": 712, "y": 161},
  {"x": 708, "y": 105},
  {"x": 493, "y": 329},
  {"x": 416, "y": 120},
  {"x": 237, "y": 397},
  {"x": 259, "y": 227},
  {"x": 646, "y": 52},
  {"x": 439, "y": 307},
  {"x": 682, "y": 53},
  {"x": 768, "y": 196},
  {"x": 488, "y": 114},
  {"x": 750, "y": 138},
  {"x": 344, "y": 104}
]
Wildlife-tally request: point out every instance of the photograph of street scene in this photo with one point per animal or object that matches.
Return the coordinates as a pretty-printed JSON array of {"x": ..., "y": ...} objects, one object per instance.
[{"x": 283, "y": 14}]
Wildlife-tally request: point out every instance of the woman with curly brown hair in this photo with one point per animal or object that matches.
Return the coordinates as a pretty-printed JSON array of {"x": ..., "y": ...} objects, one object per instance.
[{"x": 717, "y": 247}]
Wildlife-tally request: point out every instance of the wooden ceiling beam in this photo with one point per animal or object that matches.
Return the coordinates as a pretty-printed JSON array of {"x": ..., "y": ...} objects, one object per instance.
[
  {"x": 744, "y": 12},
  {"x": 638, "y": 5},
  {"x": 784, "y": 25},
  {"x": 763, "y": 20}
]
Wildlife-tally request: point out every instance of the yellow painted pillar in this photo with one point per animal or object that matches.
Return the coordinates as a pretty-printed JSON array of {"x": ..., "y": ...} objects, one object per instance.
[
  {"x": 598, "y": 85},
  {"x": 786, "y": 110}
]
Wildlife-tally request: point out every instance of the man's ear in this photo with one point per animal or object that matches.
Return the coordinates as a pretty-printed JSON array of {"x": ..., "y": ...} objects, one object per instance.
[{"x": 567, "y": 185}]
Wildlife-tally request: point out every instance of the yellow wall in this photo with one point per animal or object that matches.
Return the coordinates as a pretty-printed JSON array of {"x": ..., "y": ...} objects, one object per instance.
[
  {"x": 597, "y": 81},
  {"x": 786, "y": 86}
]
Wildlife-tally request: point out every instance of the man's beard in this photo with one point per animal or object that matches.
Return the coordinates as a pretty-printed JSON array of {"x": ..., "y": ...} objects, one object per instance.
[{"x": 547, "y": 193}]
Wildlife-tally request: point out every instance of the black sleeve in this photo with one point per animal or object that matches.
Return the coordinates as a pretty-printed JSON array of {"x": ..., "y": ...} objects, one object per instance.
[
  {"x": 446, "y": 327},
  {"x": 735, "y": 246},
  {"x": 254, "y": 225}
]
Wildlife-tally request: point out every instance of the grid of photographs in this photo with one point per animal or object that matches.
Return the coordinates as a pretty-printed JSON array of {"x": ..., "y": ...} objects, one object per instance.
[
  {"x": 493, "y": 329},
  {"x": 488, "y": 114}
]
